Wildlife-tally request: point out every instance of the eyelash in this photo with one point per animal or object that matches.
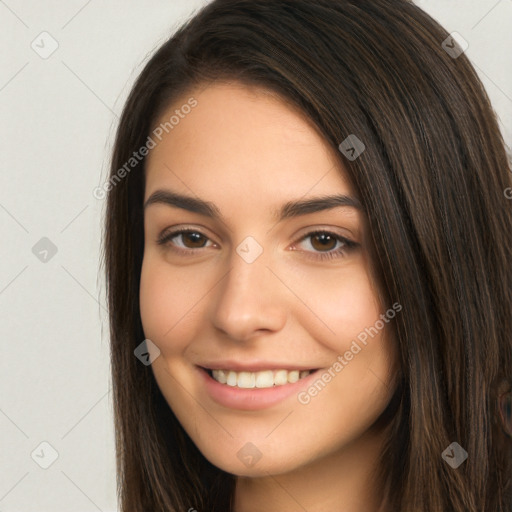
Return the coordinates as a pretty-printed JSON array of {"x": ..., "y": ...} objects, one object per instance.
[{"x": 348, "y": 245}]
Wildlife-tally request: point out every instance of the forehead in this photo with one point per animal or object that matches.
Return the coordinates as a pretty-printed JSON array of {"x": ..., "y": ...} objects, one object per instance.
[{"x": 242, "y": 140}]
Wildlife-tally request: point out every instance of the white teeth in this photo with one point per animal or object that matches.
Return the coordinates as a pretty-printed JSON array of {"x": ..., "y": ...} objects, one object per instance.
[
  {"x": 220, "y": 376},
  {"x": 263, "y": 379},
  {"x": 293, "y": 376},
  {"x": 281, "y": 377},
  {"x": 246, "y": 380},
  {"x": 231, "y": 379}
]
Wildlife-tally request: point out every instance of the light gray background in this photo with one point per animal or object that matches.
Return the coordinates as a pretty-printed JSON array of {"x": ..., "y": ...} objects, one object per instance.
[{"x": 58, "y": 117}]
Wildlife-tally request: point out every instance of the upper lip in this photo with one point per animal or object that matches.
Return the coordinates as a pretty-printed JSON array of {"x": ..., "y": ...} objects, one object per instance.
[{"x": 256, "y": 366}]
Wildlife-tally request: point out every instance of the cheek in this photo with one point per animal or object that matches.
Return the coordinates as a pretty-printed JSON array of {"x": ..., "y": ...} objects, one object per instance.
[
  {"x": 340, "y": 305},
  {"x": 170, "y": 304},
  {"x": 345, "y": 317}
]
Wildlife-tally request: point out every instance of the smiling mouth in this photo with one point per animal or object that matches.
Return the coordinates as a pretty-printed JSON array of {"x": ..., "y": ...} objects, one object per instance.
[{"x": 262, "y": 379}]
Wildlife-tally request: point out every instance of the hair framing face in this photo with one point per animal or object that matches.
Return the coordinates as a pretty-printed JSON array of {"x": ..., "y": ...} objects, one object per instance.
[{"x": 431, "y": 179}]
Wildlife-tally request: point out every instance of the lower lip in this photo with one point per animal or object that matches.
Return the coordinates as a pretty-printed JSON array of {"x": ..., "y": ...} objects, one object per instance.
[{"x": 252, "y": 399}]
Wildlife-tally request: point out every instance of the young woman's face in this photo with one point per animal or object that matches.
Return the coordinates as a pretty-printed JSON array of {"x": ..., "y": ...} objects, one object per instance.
[{"x": 254, "y": 290}]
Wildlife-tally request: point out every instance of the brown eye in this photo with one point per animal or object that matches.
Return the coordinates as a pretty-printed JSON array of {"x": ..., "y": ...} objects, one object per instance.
[
  {"x": 324, "y": 245},
  {"x": 323, "y": 241},
  {"x": 184, "y": 239},
  {"x": 193, "y": 240}
]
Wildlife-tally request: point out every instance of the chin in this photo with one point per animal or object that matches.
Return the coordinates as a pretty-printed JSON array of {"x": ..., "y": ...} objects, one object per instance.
[{"x": 254, "y": 459}]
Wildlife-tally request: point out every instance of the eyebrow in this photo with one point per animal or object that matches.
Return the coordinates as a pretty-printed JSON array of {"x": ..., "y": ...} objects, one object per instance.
[{"x": 288, "y": 210}]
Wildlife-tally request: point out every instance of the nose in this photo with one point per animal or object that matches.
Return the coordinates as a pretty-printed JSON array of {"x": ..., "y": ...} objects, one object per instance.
[{"x": 250, "y": 300}]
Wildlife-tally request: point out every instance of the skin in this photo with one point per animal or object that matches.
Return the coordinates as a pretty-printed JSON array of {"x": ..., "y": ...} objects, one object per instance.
[{"x": 249, "y": 152}]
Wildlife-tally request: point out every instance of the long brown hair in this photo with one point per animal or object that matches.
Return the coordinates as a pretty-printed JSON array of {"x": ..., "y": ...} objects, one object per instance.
[{"x": 432, "y": 181}]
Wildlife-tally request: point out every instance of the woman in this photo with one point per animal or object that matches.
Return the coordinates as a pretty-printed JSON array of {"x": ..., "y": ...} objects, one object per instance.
[{"x": 307, "y": 251}]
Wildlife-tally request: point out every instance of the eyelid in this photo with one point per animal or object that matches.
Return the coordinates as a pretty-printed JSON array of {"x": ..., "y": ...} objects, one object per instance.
[
  {"x": 338, "y": 231},
  {"x": 174, "y": 231},
  {"x": 165, "y": 237},
  {"x": 305, "y": 231},
  {"x": 348, "y": 244}
]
